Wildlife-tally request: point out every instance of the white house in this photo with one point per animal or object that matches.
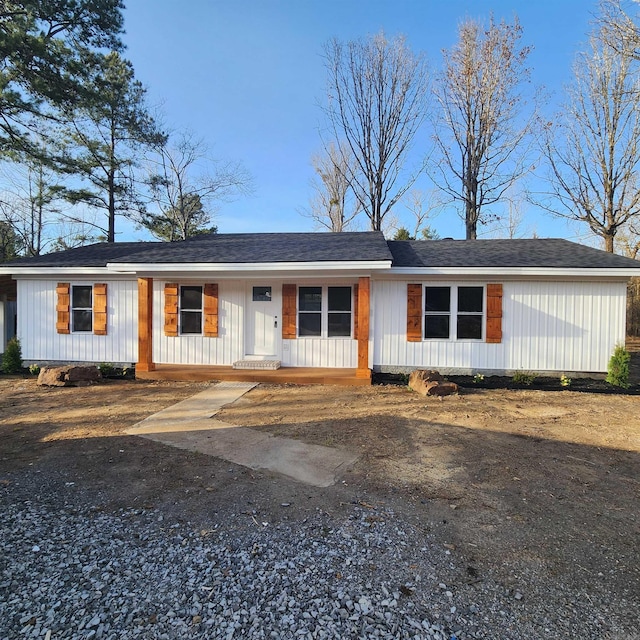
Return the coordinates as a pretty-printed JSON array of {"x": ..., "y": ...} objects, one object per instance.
[{"x": 352, "y": 302}]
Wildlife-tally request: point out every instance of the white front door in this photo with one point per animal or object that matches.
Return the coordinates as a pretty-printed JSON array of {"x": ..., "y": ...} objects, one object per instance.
[{"x": 263, "y": 322}]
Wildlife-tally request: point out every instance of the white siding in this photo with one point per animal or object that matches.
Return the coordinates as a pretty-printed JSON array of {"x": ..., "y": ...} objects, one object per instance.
[
  {"x": 320, "y": 352},
  {"x": 223, "y": 350},
  {"x": 230, "y": 345},
  {"x": 37, "y": 324},
  {"x": 546, "y": 326}
]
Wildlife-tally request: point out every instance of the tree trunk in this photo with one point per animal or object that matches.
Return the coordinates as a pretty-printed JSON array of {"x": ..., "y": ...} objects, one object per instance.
[
  {"x": 111, "y": 234},
  {"x": 608, "y": 242}
]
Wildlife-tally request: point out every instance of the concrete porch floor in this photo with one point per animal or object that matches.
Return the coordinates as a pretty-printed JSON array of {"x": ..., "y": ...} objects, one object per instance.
[{"x": 294, "y": 375}]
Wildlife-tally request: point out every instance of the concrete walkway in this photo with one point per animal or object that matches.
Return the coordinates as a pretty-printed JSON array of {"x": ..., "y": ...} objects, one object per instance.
[{"x": 190, "y": 425}]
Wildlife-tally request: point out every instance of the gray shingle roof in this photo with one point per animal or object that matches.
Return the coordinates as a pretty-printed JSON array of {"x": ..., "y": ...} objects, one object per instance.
[
  {"x": 504, "y": 253},
  {"x": 337, "y": 247},
  {"x": 267, "y": 247},
  {"x": 229, "y": 247},
  {"x": 92, "y": 255}
]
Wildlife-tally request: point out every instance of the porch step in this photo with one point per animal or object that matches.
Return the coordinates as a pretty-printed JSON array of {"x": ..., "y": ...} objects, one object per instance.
[{"x": 257, "y": 365}]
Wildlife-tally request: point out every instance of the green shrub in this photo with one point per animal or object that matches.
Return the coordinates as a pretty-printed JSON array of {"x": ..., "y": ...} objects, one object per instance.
[
  {"x": 618, "y": 369},
  {"x": 524, "y": 377},
  {"x": 106, "y": 369},
  {"x": 12, "y": 357}
]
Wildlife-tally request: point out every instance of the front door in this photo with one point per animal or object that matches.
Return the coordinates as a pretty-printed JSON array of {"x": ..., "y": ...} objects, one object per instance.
[{"x": 262, "y": 321}]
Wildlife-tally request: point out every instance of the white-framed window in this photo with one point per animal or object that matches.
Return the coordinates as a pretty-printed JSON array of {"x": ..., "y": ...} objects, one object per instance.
[
  {"x": 325, "y": 311},
  {"x": 190, "y": 309},
  {"x": 81, "y": 308},
  {"x": 453, "y": 312}
]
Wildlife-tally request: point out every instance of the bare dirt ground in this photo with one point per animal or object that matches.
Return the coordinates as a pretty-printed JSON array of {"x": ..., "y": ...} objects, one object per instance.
[{"x": 529, "y": 487}]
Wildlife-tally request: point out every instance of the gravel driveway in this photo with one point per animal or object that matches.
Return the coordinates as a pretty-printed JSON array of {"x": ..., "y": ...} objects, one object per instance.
[{"x": 70, "y": 570}]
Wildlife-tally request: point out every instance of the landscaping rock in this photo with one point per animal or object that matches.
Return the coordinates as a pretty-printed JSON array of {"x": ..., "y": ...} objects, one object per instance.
[
  {"x": 431, "y": 383},
  {"x": 442, "y": 389},
  {"x": 68, "y": 376}
]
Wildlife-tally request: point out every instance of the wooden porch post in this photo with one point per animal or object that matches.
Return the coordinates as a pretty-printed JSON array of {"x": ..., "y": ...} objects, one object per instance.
[
  {"x": 145, "y": 325},
  {"x": 363, "y": 370}
]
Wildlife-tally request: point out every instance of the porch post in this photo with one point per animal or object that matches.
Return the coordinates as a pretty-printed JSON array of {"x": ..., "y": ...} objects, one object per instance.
[
  {"x": 363, "y": 370},
  {"x": 145, "y": 325}
]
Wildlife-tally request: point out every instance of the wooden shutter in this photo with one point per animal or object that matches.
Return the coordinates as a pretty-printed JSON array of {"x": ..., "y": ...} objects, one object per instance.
[
  {"x": 289, "y": 311},
  {"x": 355, "y": 311},
  {"x": 171, "y": 309},
  {"x": 414, "y": 313},
  {"x": 211, "y": 310},
  {"x": 100, "y": 309},
  {"x": 494, "y": 313},
  {"x": 63, "y": 307}
]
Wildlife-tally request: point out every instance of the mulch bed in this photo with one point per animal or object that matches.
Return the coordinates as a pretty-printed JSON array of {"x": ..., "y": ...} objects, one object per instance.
[{"x": 542, "y": 383}]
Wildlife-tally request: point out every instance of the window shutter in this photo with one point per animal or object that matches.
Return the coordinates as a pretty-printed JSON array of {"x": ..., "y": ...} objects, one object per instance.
[
  {"x": 414, "y": 313},
  {"x": 355, "y": 311},
  {"x": 289, "y": 311},
  {"x": 100, "y": 309},
  {"x": 211, "y": 310},
  {"x": 63, "y": 307},
  {"x": 170, "y": 309},
  {"x": 494, "y": 313}
]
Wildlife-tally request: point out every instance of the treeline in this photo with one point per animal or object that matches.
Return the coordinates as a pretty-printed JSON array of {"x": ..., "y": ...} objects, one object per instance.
[
  {"x": 79, "y": 144},
  {"x": 488, "y": 133},
  {"x": 80, "y": 147}
]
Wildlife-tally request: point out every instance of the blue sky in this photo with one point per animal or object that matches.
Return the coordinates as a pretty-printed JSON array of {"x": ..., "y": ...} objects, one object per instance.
[{"x": 248, "y": 77}]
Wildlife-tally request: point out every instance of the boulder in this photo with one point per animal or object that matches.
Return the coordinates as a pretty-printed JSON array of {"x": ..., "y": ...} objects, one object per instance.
[
  {"x": 430, "y": 383},
  {"x": 68, "y": 376}
]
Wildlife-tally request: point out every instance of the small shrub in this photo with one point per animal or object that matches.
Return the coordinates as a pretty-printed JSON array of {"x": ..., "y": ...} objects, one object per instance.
[
  {"x": 524, "y": 377},
  {"x": 478, "y": 378},
  {"x": 618, "y": 369},
  {"x": 34, "y": 369},
  {"x": 565, "y": 381},
  {"x": 106, "y": 369},
  {"x": 12, "y": 357}
]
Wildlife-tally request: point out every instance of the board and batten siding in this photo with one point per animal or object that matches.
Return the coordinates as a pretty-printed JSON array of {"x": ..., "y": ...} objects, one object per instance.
[
  {"x": 229, "y": 346},
  {"x": 199, "y": 349},
  {"x": 41, "y": 342},
  {"x": 546, "y": 326},
  {"x": 321, "y": 352}
]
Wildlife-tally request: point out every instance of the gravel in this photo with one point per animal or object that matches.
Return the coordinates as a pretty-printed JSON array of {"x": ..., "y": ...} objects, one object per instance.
[{"x": 69, "y": 569}]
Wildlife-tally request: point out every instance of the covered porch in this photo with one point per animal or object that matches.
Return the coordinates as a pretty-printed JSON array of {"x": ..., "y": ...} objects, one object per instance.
[{"x": 284, "y": 375}]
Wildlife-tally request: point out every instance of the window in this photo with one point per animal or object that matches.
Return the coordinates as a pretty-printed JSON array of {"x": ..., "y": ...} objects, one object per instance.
[
  {"x": 310, "y": 311},
  {"x": 339, "y": 312},
  {"x": 81, "y": 308},
  {"x": 437, "y": 314},
  {"x": 190, "y": 310},
  {"x": 469, "y": 322},
  {"x": 261, "y": 294},
  {"x": 324, "y": 311},
  {"x": 467, "y": 314}
]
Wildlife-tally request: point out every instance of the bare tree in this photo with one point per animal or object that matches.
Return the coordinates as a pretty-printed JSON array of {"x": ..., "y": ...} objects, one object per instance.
[
  {"x": 421, "y": 206},
  {"x": 30, "y": 204},
  {"x": 186, "y": 185},
  {"x": 332, "y": 204},
  {"x": 482, "y": 124},
  {"x": 377, "y": 101},
  {"x": 593, "y": 150},
  {"x": 619, "y": 29}
]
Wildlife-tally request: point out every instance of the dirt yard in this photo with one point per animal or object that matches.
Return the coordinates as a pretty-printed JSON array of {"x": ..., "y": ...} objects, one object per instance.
[{"x": 528, "y": 486}]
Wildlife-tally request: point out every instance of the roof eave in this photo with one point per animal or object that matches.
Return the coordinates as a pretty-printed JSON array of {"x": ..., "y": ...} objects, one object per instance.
[
  {"x": 240, "y": 267},
  {"x": 50, "y": 270},
  {"x": 572, "y": 272}
]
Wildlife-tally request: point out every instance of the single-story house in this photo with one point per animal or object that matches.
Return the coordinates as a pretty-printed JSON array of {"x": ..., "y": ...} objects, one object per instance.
[{"x": 349, "y": 302}]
